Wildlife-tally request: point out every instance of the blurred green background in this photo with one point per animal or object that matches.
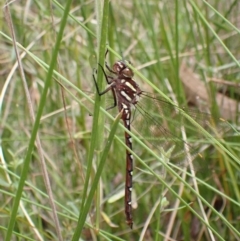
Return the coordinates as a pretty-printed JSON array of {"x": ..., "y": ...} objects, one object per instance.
[{"x": 187, "y": 50}]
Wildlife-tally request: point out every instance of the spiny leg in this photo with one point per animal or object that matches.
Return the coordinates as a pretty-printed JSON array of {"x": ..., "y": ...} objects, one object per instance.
[
  {"x": 106, "y": 76},
  {"x": 110, "y": 87}
]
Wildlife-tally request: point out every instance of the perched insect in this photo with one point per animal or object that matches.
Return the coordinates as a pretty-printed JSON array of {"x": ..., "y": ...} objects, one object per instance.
[
  {"x": 126, "y": 94},
  {"x": 129, "y": 98}
]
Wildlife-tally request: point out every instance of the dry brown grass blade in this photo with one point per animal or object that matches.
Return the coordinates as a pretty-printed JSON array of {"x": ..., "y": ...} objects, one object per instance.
[{"x": 196, "y": 92}]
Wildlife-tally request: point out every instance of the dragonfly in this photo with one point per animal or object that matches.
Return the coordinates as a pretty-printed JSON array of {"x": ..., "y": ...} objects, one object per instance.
[{"x": 134, "y": 104}]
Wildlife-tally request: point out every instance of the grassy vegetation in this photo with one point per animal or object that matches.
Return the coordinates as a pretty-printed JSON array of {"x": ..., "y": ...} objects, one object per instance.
[{"x": 70, "y": 178}]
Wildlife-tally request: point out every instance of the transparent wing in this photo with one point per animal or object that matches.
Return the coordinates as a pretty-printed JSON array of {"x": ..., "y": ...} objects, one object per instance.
[{"x": 161, "y": 125}]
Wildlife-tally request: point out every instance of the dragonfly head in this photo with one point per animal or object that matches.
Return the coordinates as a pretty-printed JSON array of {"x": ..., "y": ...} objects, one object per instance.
[{"x": 121, "y": 68}]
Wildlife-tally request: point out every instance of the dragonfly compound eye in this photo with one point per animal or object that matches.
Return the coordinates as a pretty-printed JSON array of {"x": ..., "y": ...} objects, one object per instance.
[
  {"x": 127, "y": 72},
  {"x": 118, "y": 66}
]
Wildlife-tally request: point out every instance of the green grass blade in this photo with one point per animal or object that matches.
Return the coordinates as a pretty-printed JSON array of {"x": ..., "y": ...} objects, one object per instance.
[
  {"x": 36, "y": 124},
  {"x": 95, "y": 182}
]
